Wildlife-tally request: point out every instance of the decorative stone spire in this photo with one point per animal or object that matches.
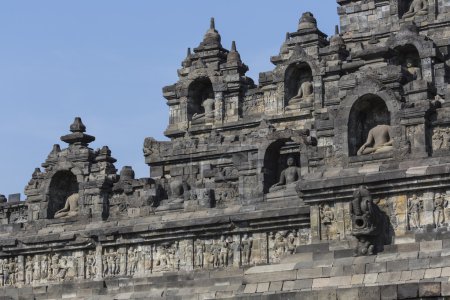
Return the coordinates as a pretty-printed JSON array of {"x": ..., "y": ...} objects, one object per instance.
[
  {"x": 234, "y": 56},
  {"x": 336, "y": 39},
  {"x": 56, "y": 149},
  {"x": 307, "y": 22},
  {"x": 212, "y": 36},
  {"x": 78, "y": 136},
  {"x": 104, "y": 155},
  {"x": 77, "y": 125},
  {"x": 127, "y": 173},
  {"x": 284, "y": 48},
  {"x": 188, "y": 60}
]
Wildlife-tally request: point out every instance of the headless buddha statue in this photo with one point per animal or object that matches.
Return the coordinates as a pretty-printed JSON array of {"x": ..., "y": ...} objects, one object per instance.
[
  {"x": 70, "y": 208},
  {"x": 379, "y": 140},
  {"x": 208, "y": 115},
  {"x": 418, "y": 7},
  {"x": 304, "y": 95}
]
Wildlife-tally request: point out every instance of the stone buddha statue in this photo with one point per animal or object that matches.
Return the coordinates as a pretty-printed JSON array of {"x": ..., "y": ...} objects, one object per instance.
[
  {"x": 417, "y": 7},
  {"x": 70, "y": 208},
  {"x": 379, "y": 140},
  {"x": 289, "y": 175},
  {"x": 208, "y": 115},
  {"x": 304, "y": 95},
  {"x": 413, "y": 68}
]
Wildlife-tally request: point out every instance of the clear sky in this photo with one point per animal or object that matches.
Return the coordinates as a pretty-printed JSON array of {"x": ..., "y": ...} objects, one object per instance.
[{"x": 107, "y": 61}]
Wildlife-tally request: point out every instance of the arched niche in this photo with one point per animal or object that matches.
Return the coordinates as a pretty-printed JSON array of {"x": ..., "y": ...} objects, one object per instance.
[
  {"x": 275, "y": 159},
  {"x": 408, "y": 58},
  {"x": 62, "y": 185},
  {"x": 296, "y": 75},
  {"x": 366, "y": 113},
  {"x": 200, "y": 91}
]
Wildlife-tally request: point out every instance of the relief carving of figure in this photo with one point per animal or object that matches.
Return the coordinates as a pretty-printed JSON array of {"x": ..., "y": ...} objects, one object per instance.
[
  {"x": 246, "y": 248},
  {"x": 2, "y": 272},
  {"x": 290, "y": 175},
  {"x": 415, "y": 207},
  {"x": 72, "y": 269},
  {"x": 11, "y": 272},
  {"x": 441, "y": 139},
  {"x": 304, "y": 95},
  {"x": 199, "y": 253},
  {"x": 70, "y": 208},
  {"x": 326, "y": 219},
  {"x": 379, "y": 140},
  {"x": 44, "y": 268},
  {"x": 105, "y": 267},
  {"x": 223, "y": 254},
  {"x": 291, "y": 246},
  {"x": 123, "y": 264},
  {"x": 91, "y": 266},
  {"x": 166, "y": 257},
  {"x": 417, "y": 7},
  {"x": 62, "y": 269},
  {"x": 280, "y": 245},
  {"x": 440, "y": 203},
  {"x": 133, "y": 260},
  {"x": 29, "y": 270},
  {"x": 54, "y": 266}
]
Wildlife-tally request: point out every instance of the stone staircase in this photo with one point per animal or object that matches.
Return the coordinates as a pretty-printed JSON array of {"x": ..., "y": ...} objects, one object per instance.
[{"x": 419, "y": 265}]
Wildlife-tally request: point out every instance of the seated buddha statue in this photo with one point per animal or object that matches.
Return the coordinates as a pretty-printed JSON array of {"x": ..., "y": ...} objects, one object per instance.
[
  {"x": 304, "y": 95},
  {"x": 208, "y": 115},
  {"x": 379, "y": 140},
  {"x": 289, "y": 175},
  {"x": 417, "y": 7},
  {"x": 70, "y": 208}
]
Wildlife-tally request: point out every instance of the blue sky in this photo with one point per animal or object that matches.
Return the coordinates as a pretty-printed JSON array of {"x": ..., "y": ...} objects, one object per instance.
[{"x": 107, "y": 61}]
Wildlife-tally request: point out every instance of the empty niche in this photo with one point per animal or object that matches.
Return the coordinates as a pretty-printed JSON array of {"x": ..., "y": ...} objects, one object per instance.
[
  {"x": 366, "y": 113},
  {"x": 62, "y": 185}
]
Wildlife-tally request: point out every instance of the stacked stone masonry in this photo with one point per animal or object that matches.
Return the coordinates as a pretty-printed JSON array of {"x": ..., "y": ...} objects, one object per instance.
[{"x": 329, "y": 179}]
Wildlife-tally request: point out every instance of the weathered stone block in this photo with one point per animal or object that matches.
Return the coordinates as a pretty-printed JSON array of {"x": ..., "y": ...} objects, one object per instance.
[
  {"x": 408, "y": 290},
  {"x": 429, "y": 289}
]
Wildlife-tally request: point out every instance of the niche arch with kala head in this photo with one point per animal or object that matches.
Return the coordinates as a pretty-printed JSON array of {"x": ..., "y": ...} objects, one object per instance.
[
  {"x": 63, "y": 185},
  {"x": 200, "y": 106}
]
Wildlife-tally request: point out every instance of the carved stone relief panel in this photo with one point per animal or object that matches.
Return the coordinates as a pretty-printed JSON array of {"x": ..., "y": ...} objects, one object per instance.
[
  {"x": 215, "y": 253},
  {"x": 92, "y": 266},
  {"x": 441, "y": 139},
  {"x": 166, "y": 257},
  {"x": 253, "y": 104},
  {"x": 248, "y": 189},
  {"x": 226, "y": 194},
  {"x": 44, "y": 268},
  {"x": 282, "y": 243},
  {"x": 328, "y": 220},
  {"x": 440, "y": 209}
]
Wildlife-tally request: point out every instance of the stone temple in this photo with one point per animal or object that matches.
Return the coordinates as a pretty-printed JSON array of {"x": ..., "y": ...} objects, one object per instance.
[{"x": 330, "y": 179}]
